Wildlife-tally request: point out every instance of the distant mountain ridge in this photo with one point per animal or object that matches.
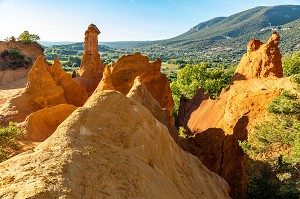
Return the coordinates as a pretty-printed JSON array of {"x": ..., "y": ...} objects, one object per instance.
[
  {"x": 223, "y": 39},
  {"x": 251, "y": 21},
  {"x": 244, "y": 22}
]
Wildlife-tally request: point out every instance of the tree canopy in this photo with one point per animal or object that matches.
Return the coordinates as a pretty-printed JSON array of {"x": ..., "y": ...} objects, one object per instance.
[
  {"x": 274, "y": 149},
  {"x": 26, "y": 37},
  {"x": 291, "y": 64},
  {"x": 192, "y": 77}
]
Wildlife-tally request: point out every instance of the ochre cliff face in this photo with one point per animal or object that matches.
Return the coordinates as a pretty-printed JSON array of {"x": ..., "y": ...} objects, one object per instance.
[
  {"x": 249, "y": 95},
  {"x": 91, "y": 67},
  {"x": 47, "y": 86},
  {"x": 261, "y": 60},
  {"x": 73, "y": 91},
  {"x": 111, "y": 148},
  {"x": 187, "y": 106},
  {"x": 256, "y": 82},
  {"x": 32, "y": 50},
  {"x": 245, "y": 97},
  {"x": 121, "y": 75}
]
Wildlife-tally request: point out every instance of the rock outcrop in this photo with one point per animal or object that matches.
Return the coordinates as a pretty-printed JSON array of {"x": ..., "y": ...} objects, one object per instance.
[
  {"x": 41, "y": 124},
  {"x": 111, "y": 148},
  {"x": 139, "y": 93},
  {"x": 244, "y": 98},
  {"x": 120, "y": 76},
  {"x": 261, "y": 60},
  {"x": 222, "y": 154},
  {"x": 14, "y": 70},
  {"x": 207, "y": 146},
  {"x": 46, "y": 87},
  {"x": 256, "y": 82},
  {"x": 91, "y": 67},
  {"x": 73, "y": 92},
  {"x": 187, "y": 106}
]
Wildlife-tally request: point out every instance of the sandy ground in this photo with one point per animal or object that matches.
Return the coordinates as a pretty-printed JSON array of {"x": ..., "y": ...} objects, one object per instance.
[{"x": 11, "y": 90}]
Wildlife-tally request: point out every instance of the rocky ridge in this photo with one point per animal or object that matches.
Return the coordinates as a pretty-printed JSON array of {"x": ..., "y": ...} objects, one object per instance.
[
  {"x": 261, "y": 60},
  {"x": 229, "y": 118},
  {"x": 46, "y": 87},
  {"x": 121, "y": 75},
  {"x": 137, "y": 158}
]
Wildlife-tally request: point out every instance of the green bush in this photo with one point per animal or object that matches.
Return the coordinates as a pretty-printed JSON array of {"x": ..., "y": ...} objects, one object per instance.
[
  {"x": 192, "y": 77},
  {"x": 13, "y": 53},
  {"x": 262, "y": 184},
  {"x": 286, "y": 103},
  {"x": 276, "y": 142},
  {"x": 7, "y": 140},
  {"x": 296, "y": 78},
  {"x": 26, "y": 37},
  {"x": 291, "y": 64},
  {"x": 182, "y": 132}
]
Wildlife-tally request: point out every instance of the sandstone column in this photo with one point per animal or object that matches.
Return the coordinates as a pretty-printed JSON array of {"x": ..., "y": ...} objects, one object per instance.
[{"x": 91, "y": 67}]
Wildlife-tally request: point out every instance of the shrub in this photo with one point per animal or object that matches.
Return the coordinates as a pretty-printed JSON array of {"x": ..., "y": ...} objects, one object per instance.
[
  {"x": 276, "y": 143},
  {"x": 7, "y": 140},
  {"x": 296, "y": 78},
  {"x": 13, "y": 53},
  {"x": 291, "y": 64},
  {"x": 26, "y": 37},
  {"x": 286, "y": 103},
  {"x": 182, "y": 132},
  {"x": 191, "y": 77},
  {"x": 12, "y": 38}
]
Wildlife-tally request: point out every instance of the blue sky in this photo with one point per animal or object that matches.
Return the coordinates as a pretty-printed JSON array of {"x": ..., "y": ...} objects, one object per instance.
[{"x": 118, "y": 20}]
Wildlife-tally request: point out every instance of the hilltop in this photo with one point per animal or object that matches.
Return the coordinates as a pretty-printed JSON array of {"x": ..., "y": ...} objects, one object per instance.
[
  {"x": 243, "y": 23},
  {"x": 225, "y": 37}
]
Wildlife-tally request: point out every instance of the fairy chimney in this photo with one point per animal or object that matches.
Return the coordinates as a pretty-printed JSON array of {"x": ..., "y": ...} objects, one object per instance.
[
  {"x": 91, "y": 39},
  {"x": 91, "y": 67}
]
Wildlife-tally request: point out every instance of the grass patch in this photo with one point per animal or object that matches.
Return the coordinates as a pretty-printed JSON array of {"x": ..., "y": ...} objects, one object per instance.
[
  {"x": 166, "y": 65},
  {"x": 8, "y": 143}
]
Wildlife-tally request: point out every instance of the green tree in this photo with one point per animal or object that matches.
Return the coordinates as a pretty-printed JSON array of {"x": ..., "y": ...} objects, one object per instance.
[
  {"x": 275, "y": 144},
  {"x": 26, "y": 37},
  {"x": 291, "y": 64},
  {"x": 192, "y": 77}
]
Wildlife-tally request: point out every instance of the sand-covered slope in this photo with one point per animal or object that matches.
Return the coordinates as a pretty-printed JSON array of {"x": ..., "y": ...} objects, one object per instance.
[{"x": 112, "y": 147}]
